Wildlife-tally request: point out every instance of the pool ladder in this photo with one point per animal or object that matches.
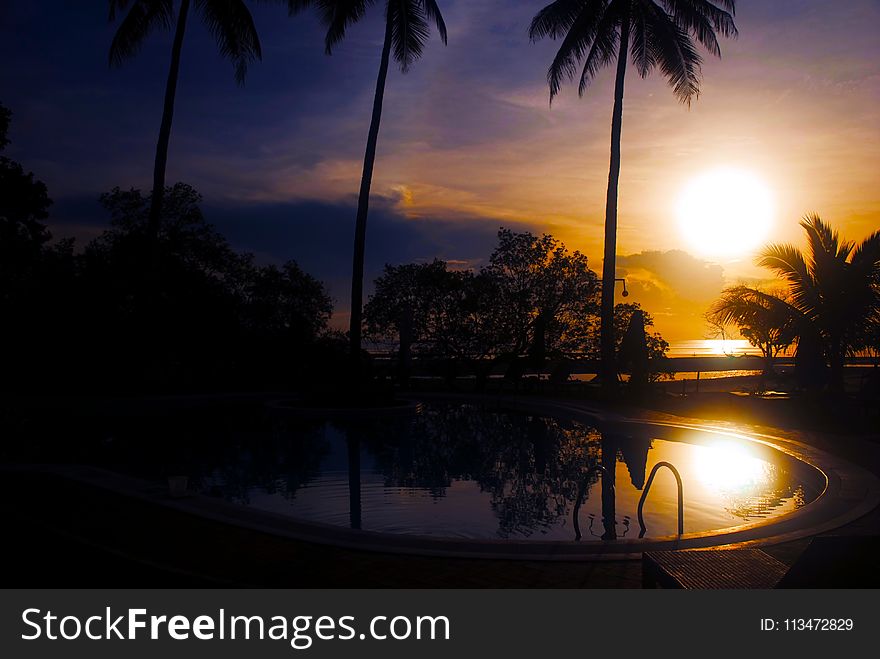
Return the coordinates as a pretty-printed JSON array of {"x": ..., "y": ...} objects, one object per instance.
[{"x": 654, "y": 471}]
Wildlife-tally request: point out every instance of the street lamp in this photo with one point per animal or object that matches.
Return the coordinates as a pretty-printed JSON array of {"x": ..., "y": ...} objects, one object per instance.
[{"x": 625, "y": 292}]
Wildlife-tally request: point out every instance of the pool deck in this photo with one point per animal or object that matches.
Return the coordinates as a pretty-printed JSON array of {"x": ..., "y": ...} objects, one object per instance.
[{"x": 83, "y": 527}]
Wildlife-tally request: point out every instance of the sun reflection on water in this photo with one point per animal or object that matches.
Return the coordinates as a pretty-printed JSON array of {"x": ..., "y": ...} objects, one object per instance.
[{"x": 729, "y": 467}]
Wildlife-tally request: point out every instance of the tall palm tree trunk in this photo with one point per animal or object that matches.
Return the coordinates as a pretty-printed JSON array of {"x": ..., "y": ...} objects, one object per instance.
[
  {"x": 606, "y": 340},
  {"x": 360, "y": 232},
  {"x": 165, "y": 128}
]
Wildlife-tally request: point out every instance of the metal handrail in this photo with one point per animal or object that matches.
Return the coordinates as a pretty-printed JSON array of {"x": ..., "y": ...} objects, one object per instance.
[
  {"x": 582, "y": 489},
  {"x": 654, "y": 471}
]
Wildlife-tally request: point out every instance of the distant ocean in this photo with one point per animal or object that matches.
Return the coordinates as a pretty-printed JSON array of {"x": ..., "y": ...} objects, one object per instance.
[{"x": 711, "y": 348}]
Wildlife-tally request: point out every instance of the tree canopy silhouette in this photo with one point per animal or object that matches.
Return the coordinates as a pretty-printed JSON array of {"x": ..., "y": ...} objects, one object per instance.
[
  {"x": 763, "y": 318},
  {"x": 5, "y": 119},
  {"x": 204, "y": 316},
  {"x": 205, "y": 311},
  {"x": 24, "y": 207},
  {"x": 533, "y": 300},
  {"x": 35, "y": 273},
  {"x": 660, "y": 34},
  {"x": 834, "y": 289}
]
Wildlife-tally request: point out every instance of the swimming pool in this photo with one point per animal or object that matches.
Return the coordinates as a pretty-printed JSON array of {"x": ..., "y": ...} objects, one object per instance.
[{"x": 475, "y": 471}]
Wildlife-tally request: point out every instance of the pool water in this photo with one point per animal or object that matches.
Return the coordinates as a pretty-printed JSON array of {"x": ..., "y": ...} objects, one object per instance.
[{"x": 463, "y": 471}]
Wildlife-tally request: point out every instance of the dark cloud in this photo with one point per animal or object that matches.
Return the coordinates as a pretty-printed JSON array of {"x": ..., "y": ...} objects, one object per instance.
[{"x": 319, "y": 235}]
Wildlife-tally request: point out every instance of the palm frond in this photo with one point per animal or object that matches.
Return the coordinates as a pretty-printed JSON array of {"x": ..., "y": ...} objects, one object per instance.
[
  {"x": 604, "y": 48},
  {"x": 741, "y": 303},
  {"x": 231, "y": 24},
  {"x": 663, "y": 33},
  {"x": 789, "y": 262},
  {"x": 674, "y": 51},
  {"x": 641, "y": 54},
  {"x": 432, "y": 13},
  {"x": 824, "y": 238},
  {"x": 143, "y": 17},
  {"x": 338, "y": 16},
  {"x": 556, "y": 19},
  {"x": 705, "y": 20},
  {"x": 117, "y": 6},
  {"x": 827, "y": 260},
  {"x": 293, "y": 6},
  {"x": 409, "y": 31},
  {"x": 866, "y": 256},
  {"x": 576, "y": 22}
]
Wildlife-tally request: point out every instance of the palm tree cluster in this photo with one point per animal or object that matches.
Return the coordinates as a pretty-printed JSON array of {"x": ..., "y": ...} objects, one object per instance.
[
  {"x": 661, "y": 34},
  {"x": 831, "y": 308}
]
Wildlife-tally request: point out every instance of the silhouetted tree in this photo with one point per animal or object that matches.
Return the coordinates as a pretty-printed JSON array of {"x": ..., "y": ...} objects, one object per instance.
[
  {"x": 5, "y": 119},
  {"x": 762, "y": 318},
  {"x": 533, "y": 297},
  {"x": 656, "y": 345},
  {"x": 24, "y": 206},
  {"x": 285, "y": 303},
  {"x": 655, "y": 34},
  {"x": 232, "y": 26},
  {"x": 36, "y": 274},
  {"x": 206, "y": 313},
  {"x": 431, "y": 300},
  {"x": 834, "y": 290},
  {"x": 547, "y": 294},
  {"x": 407, "y": 28},
  {"x": 440, "y": 315}
]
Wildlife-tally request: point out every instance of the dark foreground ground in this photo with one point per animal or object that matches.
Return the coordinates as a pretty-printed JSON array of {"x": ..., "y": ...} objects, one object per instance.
[{"x": 64, "y": 534}]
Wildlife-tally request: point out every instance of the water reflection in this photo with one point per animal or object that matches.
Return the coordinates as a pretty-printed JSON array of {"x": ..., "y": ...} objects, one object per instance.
[
  {"x": 730, "y": 467},
  {"x": 464, "y": 471}
]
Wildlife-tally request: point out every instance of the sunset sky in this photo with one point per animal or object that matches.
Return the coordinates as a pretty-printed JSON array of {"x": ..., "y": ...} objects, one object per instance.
[{"x": 468, "y": 143}]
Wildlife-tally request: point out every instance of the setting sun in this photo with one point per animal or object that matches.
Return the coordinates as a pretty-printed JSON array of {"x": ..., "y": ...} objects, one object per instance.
[{"x": 725, "y": 212}]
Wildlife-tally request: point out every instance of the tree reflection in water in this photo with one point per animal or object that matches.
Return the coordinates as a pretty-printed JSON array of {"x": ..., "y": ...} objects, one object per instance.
[
  {"x": 277, "y": 457},
  {"x": 531, "y": 467}
]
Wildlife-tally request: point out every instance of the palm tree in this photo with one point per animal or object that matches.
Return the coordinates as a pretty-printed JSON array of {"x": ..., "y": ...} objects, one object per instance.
[
  {"x": 835, "y": 289},
  {"x": 232, "y": 26},
  {"x": 407, "y": 29},
  {"x": 764, "y": 318},
  {"x": 654, "y": 34}
]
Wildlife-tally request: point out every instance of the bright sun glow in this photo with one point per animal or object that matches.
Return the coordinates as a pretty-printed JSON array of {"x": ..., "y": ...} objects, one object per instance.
[
  {"x": 726, "y": 212},
  {"x": 728, "y": 467},
  {"x": 727, "y": 346}
]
